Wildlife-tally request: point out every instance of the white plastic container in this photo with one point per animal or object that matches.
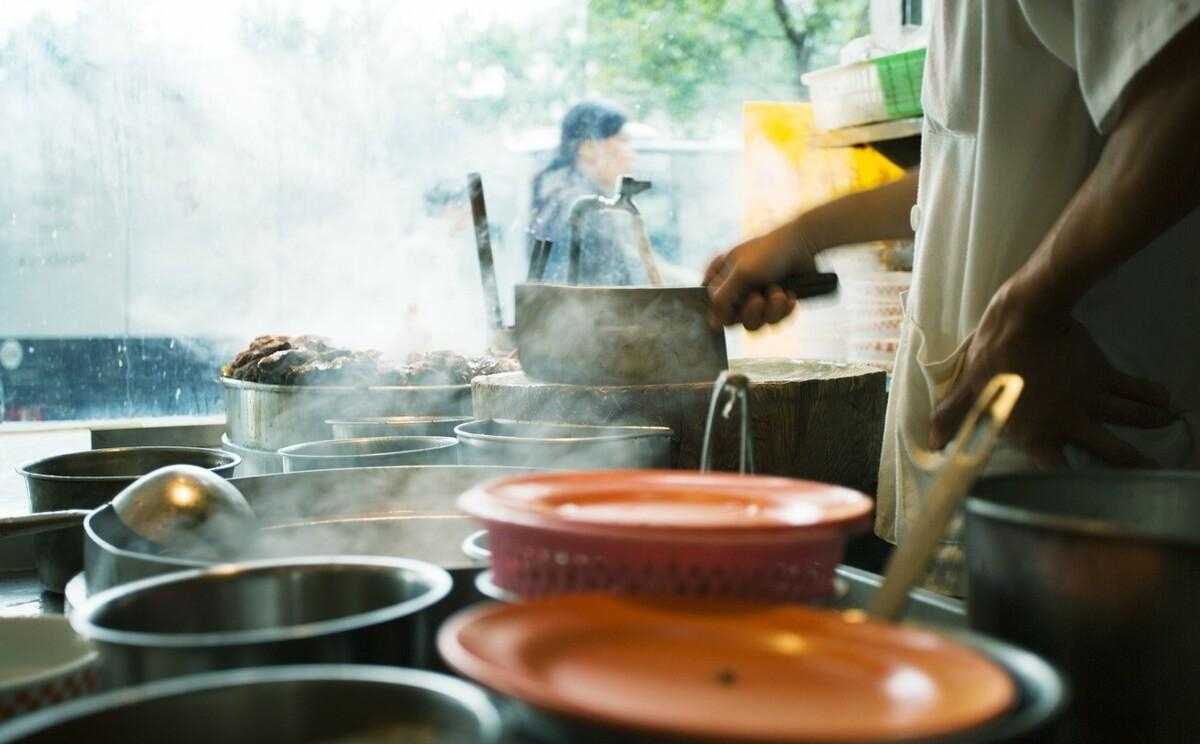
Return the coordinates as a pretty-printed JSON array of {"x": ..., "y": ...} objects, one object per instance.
[{"x": 846, "y": 96}]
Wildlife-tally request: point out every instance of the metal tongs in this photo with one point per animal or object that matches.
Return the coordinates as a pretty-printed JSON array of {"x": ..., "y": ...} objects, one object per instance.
[
  {"x": 960, "y": 466},
  {"x": 738, "y": 388}
]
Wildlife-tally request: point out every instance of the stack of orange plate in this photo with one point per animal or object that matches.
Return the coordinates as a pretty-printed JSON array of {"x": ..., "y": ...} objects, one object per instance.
[{"x": 726, "y": 671}]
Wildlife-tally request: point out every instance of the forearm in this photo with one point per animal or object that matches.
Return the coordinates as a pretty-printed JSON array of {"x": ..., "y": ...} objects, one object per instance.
[
  {"x": 882, "y": 213},
  {"x": 1146, "y": 180}
]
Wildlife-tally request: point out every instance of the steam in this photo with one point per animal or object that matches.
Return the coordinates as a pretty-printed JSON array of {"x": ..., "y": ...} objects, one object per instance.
[{"x": 258, "y": 166}]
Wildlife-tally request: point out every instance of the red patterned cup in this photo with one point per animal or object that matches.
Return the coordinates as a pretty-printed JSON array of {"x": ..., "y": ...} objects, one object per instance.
[{"x": 42, "y": 662}]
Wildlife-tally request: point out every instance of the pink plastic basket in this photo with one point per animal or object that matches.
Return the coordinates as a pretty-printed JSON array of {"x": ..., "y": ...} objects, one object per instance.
[{"x": 670, "y": 533}]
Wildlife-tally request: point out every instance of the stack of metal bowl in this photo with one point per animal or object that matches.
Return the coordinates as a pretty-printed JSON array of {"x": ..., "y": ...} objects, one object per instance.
[{"x": 261, "y": 419}]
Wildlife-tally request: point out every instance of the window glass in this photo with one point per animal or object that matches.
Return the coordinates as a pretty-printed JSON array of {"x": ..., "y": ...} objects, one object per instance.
[{"x": 177, "y": 178}]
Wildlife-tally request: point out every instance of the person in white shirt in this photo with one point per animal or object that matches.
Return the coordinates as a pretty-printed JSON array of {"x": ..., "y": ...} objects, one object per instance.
[{"x": 1057, "y": 237}]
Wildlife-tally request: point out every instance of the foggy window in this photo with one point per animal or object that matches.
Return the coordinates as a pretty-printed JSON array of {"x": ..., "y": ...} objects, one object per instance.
[{"x": 177, "y": 178}]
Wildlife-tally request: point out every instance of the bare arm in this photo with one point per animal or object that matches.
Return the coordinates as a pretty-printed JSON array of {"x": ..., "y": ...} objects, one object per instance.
[
  {"x": 1146, "y": 179},
  {"x": 743, "y": 281}
]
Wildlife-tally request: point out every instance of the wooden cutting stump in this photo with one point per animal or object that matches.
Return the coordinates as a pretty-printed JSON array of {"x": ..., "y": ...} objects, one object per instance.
[{"x": 817, "y": 420}]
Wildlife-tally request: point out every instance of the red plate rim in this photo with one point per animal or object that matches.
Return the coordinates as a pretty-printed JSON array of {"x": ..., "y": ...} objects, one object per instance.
[
  {"x": 510, "y": 682},
  {"x": 491, "y": 502}
]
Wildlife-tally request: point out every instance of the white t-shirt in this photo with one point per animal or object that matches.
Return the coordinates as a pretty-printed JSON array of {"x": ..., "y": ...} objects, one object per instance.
[{"x": 1017, "y": 99}]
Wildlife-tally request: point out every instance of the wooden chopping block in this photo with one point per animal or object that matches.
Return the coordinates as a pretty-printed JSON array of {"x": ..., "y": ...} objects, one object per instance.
[{"x": 816, "y": 420}]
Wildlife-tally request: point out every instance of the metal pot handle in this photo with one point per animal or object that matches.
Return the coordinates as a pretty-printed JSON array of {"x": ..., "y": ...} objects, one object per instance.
[
  {"x": 32, "y": 524},
  {"x": 968, "y": 454},
  {"x": 538, "y": 259},
  {"x": 738, "y": 387}
]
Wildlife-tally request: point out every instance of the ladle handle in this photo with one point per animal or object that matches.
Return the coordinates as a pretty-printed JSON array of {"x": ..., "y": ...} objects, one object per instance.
[
  {"x": 31, "y": 524},
  {"x": 483, "y": 246},
  {"x": 968, "y": 454}
]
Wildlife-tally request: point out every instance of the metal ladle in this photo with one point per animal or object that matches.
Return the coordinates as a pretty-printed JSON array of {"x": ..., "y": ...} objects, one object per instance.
[{"x": 181, "y": 506}]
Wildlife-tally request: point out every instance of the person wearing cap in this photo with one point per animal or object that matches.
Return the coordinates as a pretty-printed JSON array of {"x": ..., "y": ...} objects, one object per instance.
[{"x": 1056, "y": 235}]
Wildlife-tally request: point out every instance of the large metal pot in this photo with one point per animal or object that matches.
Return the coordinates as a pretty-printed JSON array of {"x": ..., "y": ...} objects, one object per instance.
[
  {"x": 376, "y": 510},
  {"x": 268, "y": 417},
  {"x": 1099, "y": 573},
  {"x": 323, "y": 609},
  {"x": 88, "y": 479},
  {"x": 369, "y": 452},
  {"x": 565, "y": 446},
  {"x": 288, "y": 704}
]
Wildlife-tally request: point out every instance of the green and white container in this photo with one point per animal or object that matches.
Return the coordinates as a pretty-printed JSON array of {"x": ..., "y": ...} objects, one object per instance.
[{"x": 880, "y": 89}]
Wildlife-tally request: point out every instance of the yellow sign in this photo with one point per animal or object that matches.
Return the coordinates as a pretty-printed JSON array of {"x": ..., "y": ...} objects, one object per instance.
[{"x": 784, "y": 173}]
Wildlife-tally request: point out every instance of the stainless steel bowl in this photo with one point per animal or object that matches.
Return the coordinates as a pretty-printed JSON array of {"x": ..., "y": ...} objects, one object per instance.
[
  {"x": 367, "y": 452},
  {"x": 268, "y": 417},
  {"x": 350, "y": 609},
  {"x": 254, "y": 461},
  {"x": 563, "y": 446},
  {"x": 396, "y": 426},
  {"x": 288, "y": 705},
  {"x": 88, "y": 479}
]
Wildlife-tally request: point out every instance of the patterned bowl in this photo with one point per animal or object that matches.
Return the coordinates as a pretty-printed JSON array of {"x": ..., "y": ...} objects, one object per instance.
[{"x": 42, "y": 662}]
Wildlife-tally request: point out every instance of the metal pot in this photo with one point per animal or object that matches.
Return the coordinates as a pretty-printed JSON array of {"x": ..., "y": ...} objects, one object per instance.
[
  {"x": 1096, "y": 571},
  {"x": 563, "y": 446},
  {"x": 298, "y": 610},
  {"x": 254, "y": 461},
  {"x": 369, "y": 452},
  {"x": 396, "y": 426},
  {"x": 288, "y": 704},
  {"x": 389, "y": 501},
  {"x": 88, "y": 479},
  {"x": 268, "y": 417}
]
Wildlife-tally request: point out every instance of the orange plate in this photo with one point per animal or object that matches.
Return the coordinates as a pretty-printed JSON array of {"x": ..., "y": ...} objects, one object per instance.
[
  {"x": 727, "y": 671},
  {"x": 664, "y": 499}
]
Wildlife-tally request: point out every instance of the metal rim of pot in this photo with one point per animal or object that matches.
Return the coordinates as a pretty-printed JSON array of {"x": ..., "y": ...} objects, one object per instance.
[
  {"x": 438, "y": 578},
  {"x": 295, "y": 451},
  {"x": 232, "y": 460},
  {"x": 620, "y": 433},
  {"x": 979, "y": 504},
  {"x": 398, "y": 420},
  {"x": 465, "y": 694},
  {"x": 301, "y": 389}
]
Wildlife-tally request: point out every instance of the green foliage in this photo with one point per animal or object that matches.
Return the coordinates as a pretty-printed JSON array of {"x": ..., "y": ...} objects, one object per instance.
[{"x": 684, "y": 64}]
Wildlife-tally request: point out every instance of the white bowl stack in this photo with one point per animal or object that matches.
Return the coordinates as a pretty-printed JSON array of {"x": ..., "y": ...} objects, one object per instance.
[{"x": 874, "y": 314}]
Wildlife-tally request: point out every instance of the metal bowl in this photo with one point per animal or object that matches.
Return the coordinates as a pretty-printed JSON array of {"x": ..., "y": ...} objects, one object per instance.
[
  {"x": 563, "y": 446},
  {"x": 351, "y": 609},
  {"x": 368, "y": 452},
  {"x": 289, "y": 705},
  {"x": 268, "y": 417},
  {"x": 254, "y": 461},
  {"x": 396, "y": 426},
  {"x": 88, "y": 479}
]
